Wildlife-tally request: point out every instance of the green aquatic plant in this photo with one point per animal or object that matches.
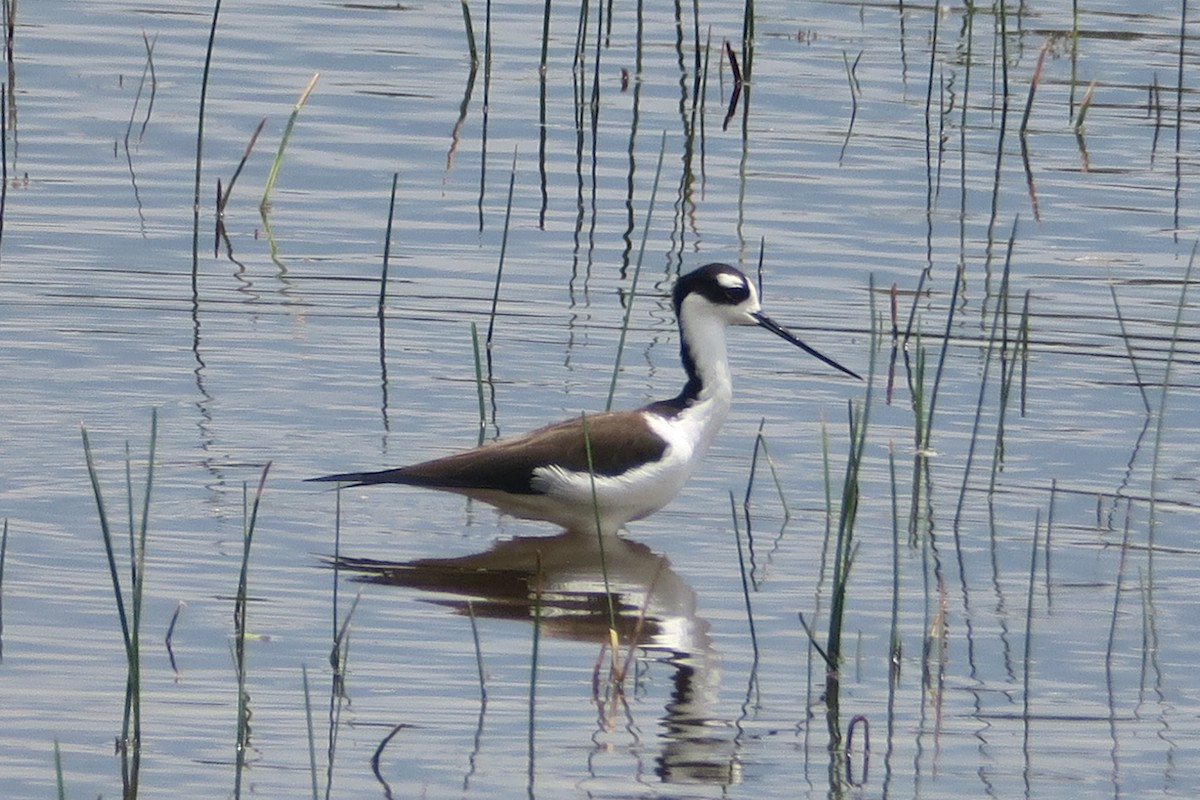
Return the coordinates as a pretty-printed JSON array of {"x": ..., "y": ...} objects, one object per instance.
[
  {"x": 273, "y": 173},
  {"x": 129, "y": 610}
]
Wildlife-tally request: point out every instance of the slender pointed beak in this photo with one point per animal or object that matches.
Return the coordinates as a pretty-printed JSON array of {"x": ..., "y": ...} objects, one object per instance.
[{"x": 766, "y": 322}]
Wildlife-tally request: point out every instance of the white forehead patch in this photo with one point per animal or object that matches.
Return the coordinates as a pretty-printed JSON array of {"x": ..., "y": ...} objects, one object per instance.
[{"x": 730, "y": 281}]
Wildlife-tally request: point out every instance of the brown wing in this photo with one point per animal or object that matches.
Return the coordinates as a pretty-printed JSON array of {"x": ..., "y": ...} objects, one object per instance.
[{"x": 617, "y": 439}]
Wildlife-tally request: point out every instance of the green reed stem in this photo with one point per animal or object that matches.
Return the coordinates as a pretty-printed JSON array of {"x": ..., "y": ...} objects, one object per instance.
[
  {"x": 580, "y": 33},
  {"x": 212, "y": 35},
  {"x": 1075, "y": 52},
  {"x": 342, "y": 635},
  {"x": 239, "y": 618},
  {"x": 1033, "y": 84},
  {"x": 387, "y": 247},
  {"x": 138, "y": 561},
  {"x": 58, "y": 772},
  {"x": 3, "y": 551},
  {"x": 479, "y": 382},
  {"x": 10, "y": 30},
  {"x": 249, "y": 520},
  {"x": 637, "y": 271},
  {"x": 1028, "y": 654},
  {"x": 697, "y": 57},
  {"x": 587, "y": 447},
  {"x": 920, "y": 441},
  {"x": 1084, "y": 105},
  {"x": 224, "y": 198},
  {"x": 700, "y": 99},
  {"x": 932, "y": 146},
  {"x": 312, "y": 735},
  {"x": 960, "y": 281},
  {"x": 1001, "y": 54},
  {"x": 106, "y": 533},
  {"x": 748, "y": 38},
  {"x": 1137, "y": 377},
  {"x": 512, "y": 179},
  {"x": 1009, "y": 360},
  {"x": 487, "y": 104},
  {"x": 916, "y": 388},
  {"x": 895, "y": 648},
  {"x": 983, "y": 380},
  {"x": 845, "y": 546},
  {"x": 760, "y": 443},
  {"x": 830, "y": 664},
  {"x": 470, "y": 33},
  {"x": 337, "y": 560},
  {"x": 147, "y": 71},
  {"x": 133, "y": 572},
  {"x": 1046, "y": 547},
  {"x": 339, "y": 659},
  {"x": 283, "y": 142},
  {"x": 827, "y": 482},
  {"x": 1026, "y": 322},
  {"x": 131, "y": 726},
  {"x": 545, "y": 37},
  {"x": 4, "y": 150},
  {"x": 1160, "y": 421},
  {"x": 737, "y": 535}
]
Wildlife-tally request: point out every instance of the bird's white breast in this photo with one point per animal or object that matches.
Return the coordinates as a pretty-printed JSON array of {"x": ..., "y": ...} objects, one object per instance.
[{"x": 642, "y": 489}]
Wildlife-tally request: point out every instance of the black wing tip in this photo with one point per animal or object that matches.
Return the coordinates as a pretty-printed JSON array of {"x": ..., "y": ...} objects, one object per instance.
[
  {"x": 347, "y": 478},
  {"x": 352, "y": 479},
  {"x": 329, "y": 479}
]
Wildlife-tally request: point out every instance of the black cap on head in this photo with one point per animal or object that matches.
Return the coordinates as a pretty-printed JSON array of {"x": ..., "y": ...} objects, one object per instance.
[{"x": 720, "y": 284}]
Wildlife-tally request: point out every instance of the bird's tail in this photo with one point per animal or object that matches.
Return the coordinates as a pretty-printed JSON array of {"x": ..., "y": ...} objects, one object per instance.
[{"x": 366, "y": 478}]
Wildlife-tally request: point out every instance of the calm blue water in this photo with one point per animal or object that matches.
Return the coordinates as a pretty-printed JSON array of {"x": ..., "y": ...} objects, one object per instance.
[{"x": 1081, "y": 685}]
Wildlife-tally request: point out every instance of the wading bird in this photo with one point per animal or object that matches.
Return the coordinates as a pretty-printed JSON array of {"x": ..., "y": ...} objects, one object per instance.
[{"x": 639, "y": 459}]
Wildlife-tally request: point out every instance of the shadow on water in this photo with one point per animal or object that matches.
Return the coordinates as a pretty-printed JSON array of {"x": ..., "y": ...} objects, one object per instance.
[{"x": 655, "y": 611}]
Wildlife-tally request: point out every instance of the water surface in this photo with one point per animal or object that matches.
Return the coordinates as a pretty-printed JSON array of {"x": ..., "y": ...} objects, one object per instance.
[{"x": 1076, "y": 681}]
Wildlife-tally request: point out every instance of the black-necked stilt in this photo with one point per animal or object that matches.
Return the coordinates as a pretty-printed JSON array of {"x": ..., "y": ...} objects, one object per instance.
[{"x": 640, "y": 458}]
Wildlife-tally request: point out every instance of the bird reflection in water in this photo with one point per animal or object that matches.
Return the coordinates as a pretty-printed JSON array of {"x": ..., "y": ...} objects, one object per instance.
[{"x": 654, "y": 610}]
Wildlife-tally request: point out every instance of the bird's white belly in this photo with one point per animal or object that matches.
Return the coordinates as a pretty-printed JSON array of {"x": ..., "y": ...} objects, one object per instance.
[
  {"x": 568, "y": 498},
  {"x": 568, "y": 495}
]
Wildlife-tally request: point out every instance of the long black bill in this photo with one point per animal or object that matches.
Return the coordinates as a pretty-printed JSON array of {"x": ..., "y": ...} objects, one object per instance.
[{"x": 783, "y": 333}]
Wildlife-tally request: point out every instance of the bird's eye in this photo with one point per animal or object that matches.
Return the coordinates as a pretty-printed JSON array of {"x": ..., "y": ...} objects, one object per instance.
[{"x": 736, "y": 294}]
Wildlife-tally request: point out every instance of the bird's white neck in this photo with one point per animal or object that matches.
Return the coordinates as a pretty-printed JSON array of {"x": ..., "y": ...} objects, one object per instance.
[
  {"x": 709, "y": 390},
  {"x": 704, "y": 358}
]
